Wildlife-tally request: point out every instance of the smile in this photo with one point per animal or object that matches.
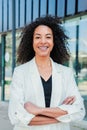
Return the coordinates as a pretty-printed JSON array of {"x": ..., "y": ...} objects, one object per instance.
[{"x": 43, "y": 48}]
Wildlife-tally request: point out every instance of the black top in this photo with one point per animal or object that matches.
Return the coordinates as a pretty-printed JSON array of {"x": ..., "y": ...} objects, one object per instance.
[{"x": 47, "y": 86}]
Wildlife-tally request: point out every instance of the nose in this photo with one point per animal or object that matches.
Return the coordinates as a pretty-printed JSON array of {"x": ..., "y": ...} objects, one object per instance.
[{"x": 43, "y": 40}]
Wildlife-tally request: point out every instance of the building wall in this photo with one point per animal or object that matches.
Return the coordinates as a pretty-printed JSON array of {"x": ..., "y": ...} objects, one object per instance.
[{"x": 28, "y": 10}]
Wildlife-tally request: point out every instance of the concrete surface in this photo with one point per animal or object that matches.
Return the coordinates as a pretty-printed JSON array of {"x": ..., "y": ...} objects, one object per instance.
[{"x": 4, "y": 120}]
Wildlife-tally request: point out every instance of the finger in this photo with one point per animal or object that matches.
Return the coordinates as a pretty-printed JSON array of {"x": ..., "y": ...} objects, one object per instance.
[
  {"x": 69, "y": 100},
  {"x": 66, "y": 100},
  {"x": 72, "y": 100}
]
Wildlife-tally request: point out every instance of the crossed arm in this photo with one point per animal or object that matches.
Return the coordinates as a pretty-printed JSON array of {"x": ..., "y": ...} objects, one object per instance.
[{"x": 46, "y": 115}]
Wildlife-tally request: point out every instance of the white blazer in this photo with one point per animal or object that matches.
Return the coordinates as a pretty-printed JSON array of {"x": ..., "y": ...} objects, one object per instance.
[{"x": 27, "y": 86}]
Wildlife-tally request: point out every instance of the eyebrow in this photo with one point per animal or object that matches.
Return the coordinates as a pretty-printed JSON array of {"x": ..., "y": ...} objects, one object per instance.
[{"x": 40, "y": 34}]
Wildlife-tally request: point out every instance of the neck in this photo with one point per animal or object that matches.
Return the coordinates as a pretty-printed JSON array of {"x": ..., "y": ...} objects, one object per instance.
[{"x": 43, "y": 62}]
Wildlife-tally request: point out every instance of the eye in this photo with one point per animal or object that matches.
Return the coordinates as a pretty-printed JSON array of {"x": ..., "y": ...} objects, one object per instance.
[
  {"x": 48, "y": 37},
  {"x": 37, "y": 37}
]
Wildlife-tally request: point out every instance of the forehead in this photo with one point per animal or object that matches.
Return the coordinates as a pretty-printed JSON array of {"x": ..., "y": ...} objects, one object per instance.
[{"x": 42, "y": 29}]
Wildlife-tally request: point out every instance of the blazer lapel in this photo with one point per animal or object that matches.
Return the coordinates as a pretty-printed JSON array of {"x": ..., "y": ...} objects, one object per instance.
[
  {"x": 56, "y": 85},
  {"x": 38, "y": 88},
  {"x": 37, "y": 84}
]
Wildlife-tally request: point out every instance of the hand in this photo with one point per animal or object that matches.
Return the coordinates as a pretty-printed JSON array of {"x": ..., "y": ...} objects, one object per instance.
[
  {"x": 32, "y": 108},
  {"x": 69, "y": 100}
]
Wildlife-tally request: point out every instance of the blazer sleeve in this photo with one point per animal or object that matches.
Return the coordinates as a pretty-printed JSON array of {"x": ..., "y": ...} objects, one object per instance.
[
  {"x": 76, "y": 111},
  {"x": 16, "y": 112}
]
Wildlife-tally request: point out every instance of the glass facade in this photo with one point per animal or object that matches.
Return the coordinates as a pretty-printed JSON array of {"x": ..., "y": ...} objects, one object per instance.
[
  {"x": 9, "y": 14},
  {"x": 51, "y": 7},
  {"x": 27, "y": 10},
  {"x": 70, "y": 7},
  {"x": 8, "y": 60},
  {"x": 43, "y": 9},
  {"x": 61, "y": 8},
  {"x": 22, "y": 13},
  {"x": 1, "y": 25},
  {"x": 71, "y": 27},
  {"x": 8, "y": 64},
  {"x": 5, "y": 16},
  {"x": 83, "y": 56},
  {"x": 82, "y": 5}
]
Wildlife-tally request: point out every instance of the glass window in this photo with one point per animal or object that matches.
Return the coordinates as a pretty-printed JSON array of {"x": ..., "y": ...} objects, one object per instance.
[
  {"x": 17, "y": 11},
  {"x": 43, "y": 7},
  {"x": 28, "y": 11},
  {"x": 18, "y": 38},
  {"x": 5, "y": 16},
  {"x": 0, "y": 15},
  {"x": 83, "y": 56},
  {"x": 8, "y": 64},
  {"x": 10, "y": 14},
  {"x": 71, "y": 33},
  {"x": 61, "y": 8},
  {"x": 82, "y": 50},
  {"x": 82, "y": 5},
  {"x": 35, "y": 8},
  {"x": 70, "y": 7},
  {"x": 51, "y": 7},
  {"x": 22, "y": 12},
  {"x": 8, "y": 61}
]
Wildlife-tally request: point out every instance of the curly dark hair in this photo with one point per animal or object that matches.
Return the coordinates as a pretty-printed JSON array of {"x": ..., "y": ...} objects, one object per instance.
[{"x": 60, "y": 52}]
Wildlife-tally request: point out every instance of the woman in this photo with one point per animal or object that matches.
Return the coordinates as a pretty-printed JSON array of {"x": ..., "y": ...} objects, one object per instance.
[{"x": 44, "y": 95}]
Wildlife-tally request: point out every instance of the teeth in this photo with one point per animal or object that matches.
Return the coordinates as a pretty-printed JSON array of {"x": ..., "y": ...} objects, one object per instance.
[{"x": 43, "y": 48}]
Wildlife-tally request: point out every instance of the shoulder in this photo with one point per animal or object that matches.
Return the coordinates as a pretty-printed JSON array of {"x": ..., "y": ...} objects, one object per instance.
[
  {"x": 63, "y": 68},
  {"x": 23, "y": 67}
]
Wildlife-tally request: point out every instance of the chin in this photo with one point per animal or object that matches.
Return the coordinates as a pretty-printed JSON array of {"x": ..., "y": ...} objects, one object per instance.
[{"x": 44, "y": 55}]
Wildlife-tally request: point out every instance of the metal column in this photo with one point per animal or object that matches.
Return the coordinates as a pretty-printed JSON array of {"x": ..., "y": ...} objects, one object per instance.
[
  {"x": 13, "y": 36},
  {"x": 0, "y": 64},
  {"x": 77, "y": 67},
  {"x": 3, "y": 42}
]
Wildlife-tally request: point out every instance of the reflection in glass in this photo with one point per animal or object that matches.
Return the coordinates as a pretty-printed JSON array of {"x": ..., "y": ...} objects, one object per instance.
[
  {"x": 8, "y": 64},
  {"x": 82, "y": 51}
]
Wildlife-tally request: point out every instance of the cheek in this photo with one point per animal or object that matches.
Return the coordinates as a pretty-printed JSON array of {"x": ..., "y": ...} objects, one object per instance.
[
  {"x": 35, "y": 46},
  {"x": 35, "y": 43},
  {"x": 52, "y": 45}
]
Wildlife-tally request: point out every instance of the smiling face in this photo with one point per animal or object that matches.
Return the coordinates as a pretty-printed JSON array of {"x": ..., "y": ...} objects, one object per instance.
[{"x": 43, "y": 41}]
